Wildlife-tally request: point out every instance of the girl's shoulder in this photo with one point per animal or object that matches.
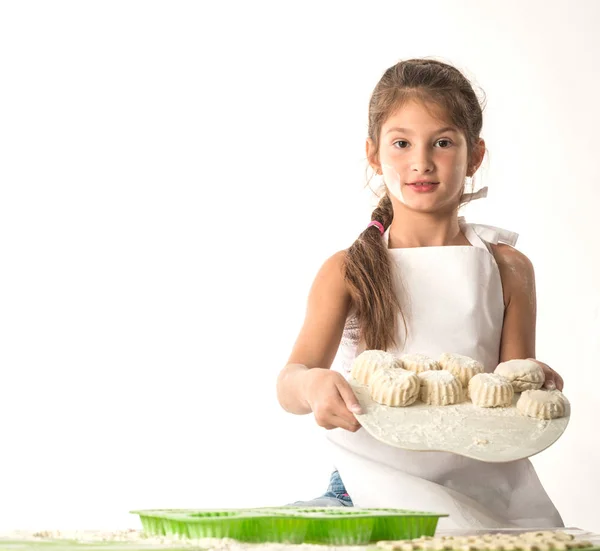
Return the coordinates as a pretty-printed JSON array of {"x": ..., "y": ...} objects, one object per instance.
[
  {"x": 500, "y": 242},
  {"x": 516, "y": 272},
  {"x": 335, "y": 264},
  {"x": 332, "y": 273},
  {"x": 511, "y": 257}
]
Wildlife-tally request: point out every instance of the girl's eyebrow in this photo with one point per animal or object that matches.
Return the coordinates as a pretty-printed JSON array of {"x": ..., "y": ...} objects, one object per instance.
[{"x": 408, "y": 131}]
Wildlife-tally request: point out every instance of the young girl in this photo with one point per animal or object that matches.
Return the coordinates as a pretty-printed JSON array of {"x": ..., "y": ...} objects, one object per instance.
[{"x": 419, "y": 279}]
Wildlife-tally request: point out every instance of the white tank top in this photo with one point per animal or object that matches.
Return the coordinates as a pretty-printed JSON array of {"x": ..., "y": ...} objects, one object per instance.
[{"x": 452, "y": 301}]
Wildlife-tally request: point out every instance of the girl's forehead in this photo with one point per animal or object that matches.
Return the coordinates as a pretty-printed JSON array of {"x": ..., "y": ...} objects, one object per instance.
[{"x": 416, "y": 116}]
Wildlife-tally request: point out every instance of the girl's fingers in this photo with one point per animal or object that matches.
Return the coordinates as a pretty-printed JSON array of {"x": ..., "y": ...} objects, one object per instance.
[
  {"x": 552, "y": 379},
  {"x": 549, "y": 381},
  {"x": 349, "y": 425},
  {"x": 558, "y": 380},
  {"x": 347, "y": 394}
]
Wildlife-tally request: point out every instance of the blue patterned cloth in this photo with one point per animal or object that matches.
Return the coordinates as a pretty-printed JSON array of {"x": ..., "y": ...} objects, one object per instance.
[{"x": 335, "y": 496}]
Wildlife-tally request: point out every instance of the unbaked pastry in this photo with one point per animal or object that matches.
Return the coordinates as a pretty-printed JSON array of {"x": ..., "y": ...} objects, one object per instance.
[
  {"x": 394, "y": 386},
  {"x": 419, "y": 363},
  {"x": 523, "y": 374},
  {"x": 543, "y": 404},
  {"x": 365, "y": 364},
  {"x": 528, "y": 541},
  {"x": 440, "y": 388},
  {"x": 462, "y": 367},
  {"x": 489, "y": 390}
]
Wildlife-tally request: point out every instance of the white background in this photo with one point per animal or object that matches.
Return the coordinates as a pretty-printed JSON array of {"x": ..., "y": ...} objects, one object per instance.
[{"x": 172, "y": 176}]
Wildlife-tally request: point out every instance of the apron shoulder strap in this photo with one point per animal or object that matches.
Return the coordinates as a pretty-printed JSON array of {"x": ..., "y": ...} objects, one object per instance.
[{"x": 490, "y": 234}]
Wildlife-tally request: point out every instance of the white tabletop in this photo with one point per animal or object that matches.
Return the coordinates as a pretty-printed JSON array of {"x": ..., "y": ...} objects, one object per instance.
[{"x": 132, "y": 540}]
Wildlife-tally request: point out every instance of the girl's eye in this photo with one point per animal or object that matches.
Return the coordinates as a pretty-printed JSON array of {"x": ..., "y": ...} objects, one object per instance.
[{"x": 405, "y": 142}]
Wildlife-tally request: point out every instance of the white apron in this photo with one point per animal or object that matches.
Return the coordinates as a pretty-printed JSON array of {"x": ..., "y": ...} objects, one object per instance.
[{"x": 452, "y": 301}]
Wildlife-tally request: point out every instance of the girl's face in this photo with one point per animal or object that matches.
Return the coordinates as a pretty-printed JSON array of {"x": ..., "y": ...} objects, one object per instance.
[{"x": 414, "y": 145}]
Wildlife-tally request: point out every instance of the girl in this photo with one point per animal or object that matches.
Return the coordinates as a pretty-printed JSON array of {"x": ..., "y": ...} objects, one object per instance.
[{"x": 419, "y": 279}]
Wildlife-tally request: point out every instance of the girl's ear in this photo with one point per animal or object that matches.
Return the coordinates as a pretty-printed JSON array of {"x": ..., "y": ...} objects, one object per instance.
[
  {"x": 372, "y": 156},
  {"x": 476, "y": 157}
]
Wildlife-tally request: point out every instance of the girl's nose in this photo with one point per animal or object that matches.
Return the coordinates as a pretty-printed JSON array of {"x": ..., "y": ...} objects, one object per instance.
[{"x": 422, "y": 159}]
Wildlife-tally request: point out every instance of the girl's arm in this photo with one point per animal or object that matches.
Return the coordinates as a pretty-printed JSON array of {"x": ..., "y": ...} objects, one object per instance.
[
  {"x": 306, "y": 384},
  {"x": 518, "y": 331}
]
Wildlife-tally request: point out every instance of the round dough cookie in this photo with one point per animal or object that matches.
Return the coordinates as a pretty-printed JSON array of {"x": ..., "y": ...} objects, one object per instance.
[
  {"x": 462, "y": 367},
  {"x": 394, "y": 386},
  {"x": 488, "y": 390},
  {"x": 543, "y": 404},
  {"x": 440, "y": 388},
  {"x": 523, "y": 374},
  {"x": 365, "y": 364},
  {"x": 418, "y": 363},
  {"x": 528, "y": 541}
]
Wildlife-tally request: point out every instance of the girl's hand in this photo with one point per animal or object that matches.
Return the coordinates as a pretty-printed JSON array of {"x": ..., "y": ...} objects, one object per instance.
[
  {"x": 331, "y": 399},
  {"x": 553, "y": 379}
]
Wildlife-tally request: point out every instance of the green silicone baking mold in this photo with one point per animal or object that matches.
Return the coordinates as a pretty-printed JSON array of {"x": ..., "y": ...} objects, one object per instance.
[{"x": 327, "y": 525}]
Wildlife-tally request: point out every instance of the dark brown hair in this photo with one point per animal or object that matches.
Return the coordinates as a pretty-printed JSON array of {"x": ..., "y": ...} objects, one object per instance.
[{"x": 368, "y": 269}]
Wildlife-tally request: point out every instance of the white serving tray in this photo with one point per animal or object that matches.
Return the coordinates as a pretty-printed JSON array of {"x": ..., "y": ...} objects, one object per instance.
[{"x": 495, "y": 435}]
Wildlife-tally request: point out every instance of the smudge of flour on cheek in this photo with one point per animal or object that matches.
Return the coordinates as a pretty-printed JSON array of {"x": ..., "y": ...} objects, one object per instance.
[{"x": 392, "y": 181}]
